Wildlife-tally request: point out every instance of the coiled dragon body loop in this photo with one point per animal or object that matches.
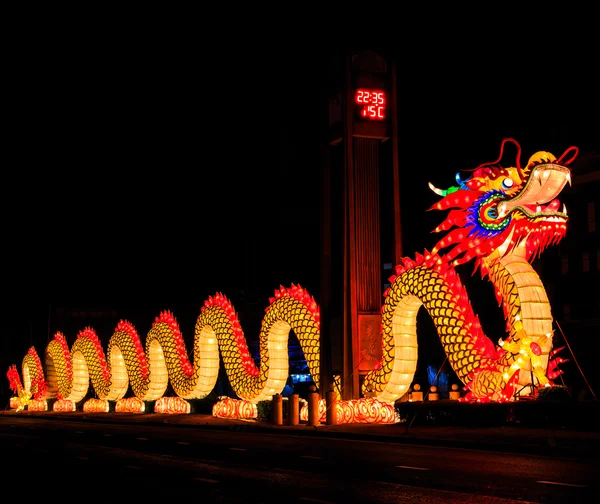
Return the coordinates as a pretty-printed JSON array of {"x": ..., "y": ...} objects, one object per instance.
[{"x": 126, "y": 365}]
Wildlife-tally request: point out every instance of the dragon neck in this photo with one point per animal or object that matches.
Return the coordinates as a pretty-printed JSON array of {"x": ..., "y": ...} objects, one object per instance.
[{"x": 528, "y": 316}]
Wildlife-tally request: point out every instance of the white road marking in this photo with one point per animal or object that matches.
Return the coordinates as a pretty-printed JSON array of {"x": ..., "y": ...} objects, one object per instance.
[
  {"x": 143, "y": 438},
  {"x": 78, "y": 432},
  {"x": 133, "y": 467},
  {"x": 106, "y": 434},
  {"x": 238, "y": 449},
  {"x": 82, "y": 458},
  {"x": 415, "y": 468},
  {"x": 561, "y": 484},
  {"x": 310, "y": 457},
  {"x": 310, "y": 499},
  {"x": 206, "y": 480},
  {"x": 182, "y": 442}
]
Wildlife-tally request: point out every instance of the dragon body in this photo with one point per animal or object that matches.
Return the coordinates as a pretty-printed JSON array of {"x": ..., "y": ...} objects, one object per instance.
[
  {"x": 500, "y": 217},
  {"x": 147, "y": 372}
]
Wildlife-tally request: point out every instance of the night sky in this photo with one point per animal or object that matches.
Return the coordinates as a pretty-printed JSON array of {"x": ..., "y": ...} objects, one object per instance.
[{"x": 148, "y": 176}]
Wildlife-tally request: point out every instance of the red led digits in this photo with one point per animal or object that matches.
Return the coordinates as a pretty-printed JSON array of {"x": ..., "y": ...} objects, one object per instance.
[{"x": 371, "y": 103}]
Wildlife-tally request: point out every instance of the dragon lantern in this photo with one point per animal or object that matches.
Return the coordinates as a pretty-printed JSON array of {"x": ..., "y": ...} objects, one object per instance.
[{"x": 501, "y": 217}]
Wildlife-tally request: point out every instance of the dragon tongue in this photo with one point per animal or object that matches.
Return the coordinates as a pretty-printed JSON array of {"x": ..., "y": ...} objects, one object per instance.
[{"x": 553, "y": 206}]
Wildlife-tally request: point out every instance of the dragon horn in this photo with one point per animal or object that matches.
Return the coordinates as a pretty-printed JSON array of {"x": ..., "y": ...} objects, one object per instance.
[
  {"x": 461, "y": 183},
  {"x": 439, "y": 192},
  {"x": 443, "y": 192}
]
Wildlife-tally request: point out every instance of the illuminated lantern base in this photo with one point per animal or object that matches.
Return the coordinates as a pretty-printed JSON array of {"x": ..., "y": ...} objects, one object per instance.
[
  {"x": 365, "y": 410},
  {"x": 130, "y": 405},
  {"x": 234, "y": 408},
  {"x": 96, "y": 406},
  {"x": 172, "y": 405},
  {"x": 14, "y": 403},
  {"x": 63, "y": 405},
  {"x": 38, "y": 405}
]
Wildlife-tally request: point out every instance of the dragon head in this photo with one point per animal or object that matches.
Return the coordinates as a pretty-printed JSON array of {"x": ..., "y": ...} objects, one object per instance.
[{"x": 499, "y": 211}]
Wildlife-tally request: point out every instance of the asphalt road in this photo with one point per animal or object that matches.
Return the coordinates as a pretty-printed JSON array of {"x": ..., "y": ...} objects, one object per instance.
[{"x": 96, "y": 462}]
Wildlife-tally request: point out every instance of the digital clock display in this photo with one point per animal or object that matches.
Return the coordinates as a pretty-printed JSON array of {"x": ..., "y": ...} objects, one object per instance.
[{"x": 371, "y": 103}]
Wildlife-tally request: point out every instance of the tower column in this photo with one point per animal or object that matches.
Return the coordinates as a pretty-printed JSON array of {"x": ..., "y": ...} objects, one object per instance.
[{"x": 362, "y": 177}]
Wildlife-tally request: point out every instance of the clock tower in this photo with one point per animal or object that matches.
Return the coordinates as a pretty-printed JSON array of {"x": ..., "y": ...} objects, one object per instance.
[{"x": 361, "y": 232}]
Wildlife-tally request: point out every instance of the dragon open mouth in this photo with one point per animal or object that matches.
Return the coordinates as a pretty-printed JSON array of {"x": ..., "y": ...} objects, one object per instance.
[{"x": 538, "y": 198}]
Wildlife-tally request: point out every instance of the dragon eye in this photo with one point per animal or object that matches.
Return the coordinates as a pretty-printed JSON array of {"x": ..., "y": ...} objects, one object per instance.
[{"x": 507, "y": 183}]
